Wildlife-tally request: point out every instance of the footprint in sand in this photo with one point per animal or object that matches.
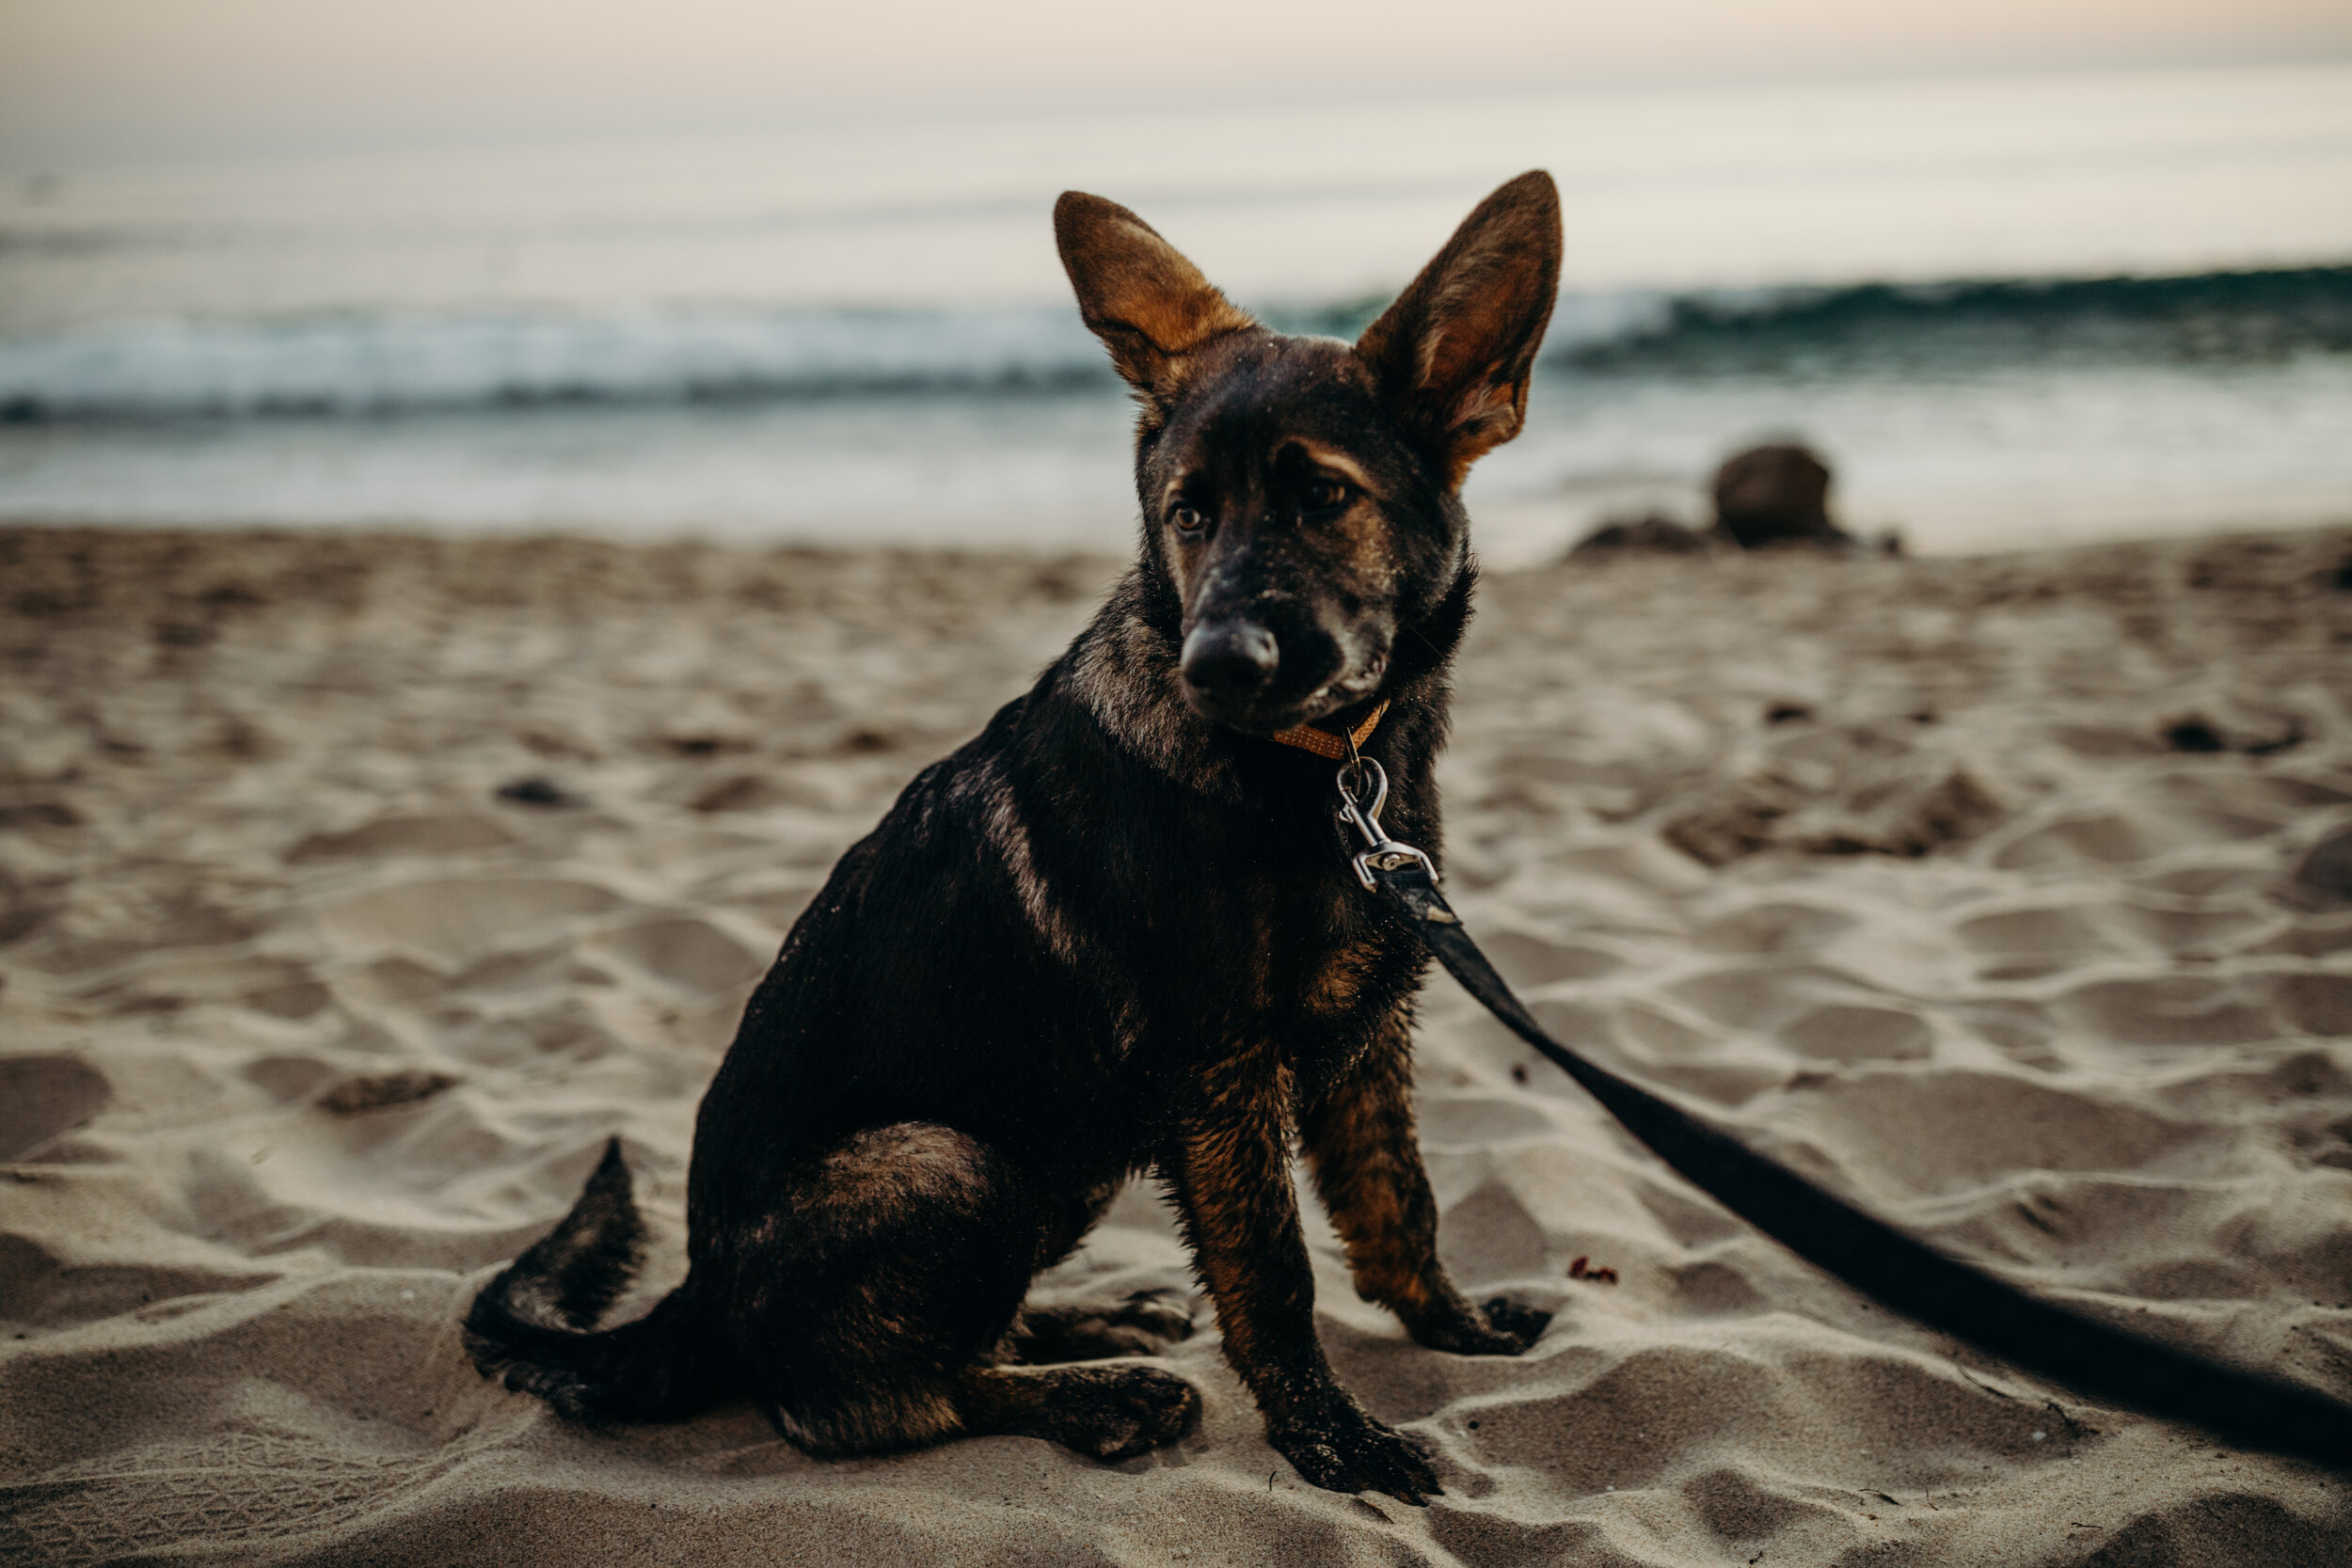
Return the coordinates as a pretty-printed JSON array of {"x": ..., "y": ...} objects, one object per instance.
[
  {"x": 1848, "y": 1033},
  {"x": 692, "y": 954},
  {"x": 1476, "y": 1121},
  {"x": 2120, "y": 838},
  {"x": 2323, "y": 877},
  {"x": 1488, "y": 1237},
  {"x": 166, "y": 980},
  {"x": 234, "y": 1490},
  {"x": 2096, "y": 840},
  {"x": 1904, "y": 1129},
  {"x": 458, "y": 834},
  {"x": 2317, "y": 1003},
  {"x": 2171, "y": 1009},
  {"x": 47, "y": 1286},
  {"x": 459, "y": 918},
  {"x": 41, "y": 1096},
  {"x": 2031, "y": 944},
  {"x": 1773, "y": 928},
  {"x": 1764, "y": 996},
  {"x": 2053, "y": 931},
  {"x": 1527, "y": 959}
]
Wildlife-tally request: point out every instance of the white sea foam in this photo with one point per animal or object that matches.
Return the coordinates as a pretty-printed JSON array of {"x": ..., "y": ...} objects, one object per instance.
[
  {"x": 381, "y": 364},
  {"x": 353, "y": 363}
]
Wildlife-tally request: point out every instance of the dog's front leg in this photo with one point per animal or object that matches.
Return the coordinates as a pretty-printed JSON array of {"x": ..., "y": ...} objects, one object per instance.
[
  {"x": 1361, "y": 1144},
  {"x": 1230, "y": 1173}
]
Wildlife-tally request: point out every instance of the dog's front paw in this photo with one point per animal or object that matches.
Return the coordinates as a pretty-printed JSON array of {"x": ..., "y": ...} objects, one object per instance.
[
  {"x": 1514, "y": 1325},
  {"x": 1500, "y": 1327},
  {"x": 1347, "y": 1450}
]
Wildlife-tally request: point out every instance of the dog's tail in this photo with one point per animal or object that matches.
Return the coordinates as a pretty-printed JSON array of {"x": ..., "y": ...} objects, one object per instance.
[{"x": 537, "y": 1321}]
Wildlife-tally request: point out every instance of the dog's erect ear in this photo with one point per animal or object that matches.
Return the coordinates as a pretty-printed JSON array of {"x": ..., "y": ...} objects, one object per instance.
[
  {"x": 1137, "y": 292},
  {"x": 1454, "y": 355}
]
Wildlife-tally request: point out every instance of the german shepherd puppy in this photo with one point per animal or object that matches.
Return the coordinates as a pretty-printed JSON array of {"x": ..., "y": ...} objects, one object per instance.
[{"x": 1115, "y": 933}]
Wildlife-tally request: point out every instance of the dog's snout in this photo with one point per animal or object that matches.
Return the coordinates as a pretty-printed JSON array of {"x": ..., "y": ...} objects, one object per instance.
[{"x": 1229, "y": 658}]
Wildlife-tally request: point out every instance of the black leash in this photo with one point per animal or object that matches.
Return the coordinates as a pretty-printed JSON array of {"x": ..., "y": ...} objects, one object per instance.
[{"x": 2250, "y": 1409}]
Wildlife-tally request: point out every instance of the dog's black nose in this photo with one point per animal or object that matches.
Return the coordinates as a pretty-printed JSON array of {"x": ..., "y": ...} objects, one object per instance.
[{"x": 1229, "y": 658}]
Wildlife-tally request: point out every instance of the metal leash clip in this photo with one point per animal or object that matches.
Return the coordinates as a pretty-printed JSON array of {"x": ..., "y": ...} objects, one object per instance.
[{"x": 1381, "y": 852}]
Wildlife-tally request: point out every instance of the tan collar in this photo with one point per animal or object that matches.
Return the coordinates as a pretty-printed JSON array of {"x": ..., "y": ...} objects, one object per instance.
[{"x": 1323, "y": 743}]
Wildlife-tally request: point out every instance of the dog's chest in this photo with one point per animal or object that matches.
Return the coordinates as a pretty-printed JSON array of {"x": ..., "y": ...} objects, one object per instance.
[{"x": 1331, "y": 971}]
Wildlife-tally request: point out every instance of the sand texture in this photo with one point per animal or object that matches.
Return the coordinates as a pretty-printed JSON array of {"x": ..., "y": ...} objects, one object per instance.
[{"x": 2012, "y": 895}]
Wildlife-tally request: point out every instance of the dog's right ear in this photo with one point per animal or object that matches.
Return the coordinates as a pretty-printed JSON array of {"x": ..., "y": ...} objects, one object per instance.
[{"x": 1137, "y": 293}]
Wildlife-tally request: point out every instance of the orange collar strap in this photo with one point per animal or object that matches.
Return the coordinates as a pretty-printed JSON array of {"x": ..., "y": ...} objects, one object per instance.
[{"x": 1323, "y": 743}]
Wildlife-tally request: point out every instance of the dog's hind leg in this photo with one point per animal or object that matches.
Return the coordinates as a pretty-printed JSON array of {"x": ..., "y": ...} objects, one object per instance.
[
  {"x": 868, "y": 1306},
  {"x": 1108, "y": 1413},
  {"x": 1144, "y": 1324}
]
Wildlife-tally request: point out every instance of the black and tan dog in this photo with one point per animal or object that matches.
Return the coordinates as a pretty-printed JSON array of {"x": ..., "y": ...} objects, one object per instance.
[{"x": 1115, "y": 933}]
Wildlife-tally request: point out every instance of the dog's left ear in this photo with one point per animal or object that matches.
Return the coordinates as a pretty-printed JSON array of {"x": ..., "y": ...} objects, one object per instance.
[
  {"x": 1454, "y": 355},
  {"x": 1148, "y": 305}
]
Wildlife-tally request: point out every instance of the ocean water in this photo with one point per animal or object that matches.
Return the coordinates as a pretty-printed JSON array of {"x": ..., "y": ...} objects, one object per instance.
[{"x": 2009, "y": 310}]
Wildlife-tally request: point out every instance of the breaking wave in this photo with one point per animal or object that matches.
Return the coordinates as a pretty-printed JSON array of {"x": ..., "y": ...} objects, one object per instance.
[{"x": 391, "y": 364}]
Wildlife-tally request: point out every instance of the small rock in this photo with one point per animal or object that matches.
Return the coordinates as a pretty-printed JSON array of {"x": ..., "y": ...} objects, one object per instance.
[
  {"x": 374, "y": 1091},
  {"x": 2253, "y": 733},
  {"x": 537, "y": 792},
  {"x": 2193, "y": 733},
  {"x": 230, "y": 596},
  {"x": 705, "y": 745},
  {"x": 744, "y": 792}
]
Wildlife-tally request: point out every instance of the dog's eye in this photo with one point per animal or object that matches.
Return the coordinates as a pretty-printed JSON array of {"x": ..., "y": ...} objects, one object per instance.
[
  {"x": 1187, "y": 520},
  {"x": 1324, "y": 494}
]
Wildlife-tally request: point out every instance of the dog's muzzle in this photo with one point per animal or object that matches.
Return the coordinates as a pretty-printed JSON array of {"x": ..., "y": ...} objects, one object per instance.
[{"x": 1228, "y": 663}]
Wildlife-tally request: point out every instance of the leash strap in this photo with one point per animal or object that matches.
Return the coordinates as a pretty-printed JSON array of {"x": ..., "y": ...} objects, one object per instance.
[{"x": 2252, "y": 1409}]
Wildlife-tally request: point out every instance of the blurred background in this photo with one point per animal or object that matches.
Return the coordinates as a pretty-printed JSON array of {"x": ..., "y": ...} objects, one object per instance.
[{"x": 2024, "y": 273}]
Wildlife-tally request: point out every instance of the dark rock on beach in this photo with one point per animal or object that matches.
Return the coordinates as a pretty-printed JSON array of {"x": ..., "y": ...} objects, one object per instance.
[
  {"x": 1652, "y": 534},
  {"x": 1775, "y": 495},
  {"x": 545, "y": 794}
]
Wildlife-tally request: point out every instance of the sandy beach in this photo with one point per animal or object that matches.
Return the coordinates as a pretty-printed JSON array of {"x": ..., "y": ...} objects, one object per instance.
[{"x": 355, "y": 889}]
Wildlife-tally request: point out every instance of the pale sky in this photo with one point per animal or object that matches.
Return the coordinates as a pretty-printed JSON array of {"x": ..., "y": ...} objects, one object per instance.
[{"x": 154, "y": 74}]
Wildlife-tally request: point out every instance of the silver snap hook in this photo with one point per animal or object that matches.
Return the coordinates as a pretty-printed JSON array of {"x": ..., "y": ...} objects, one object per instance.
[{"x": 1360, "y": 776}]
